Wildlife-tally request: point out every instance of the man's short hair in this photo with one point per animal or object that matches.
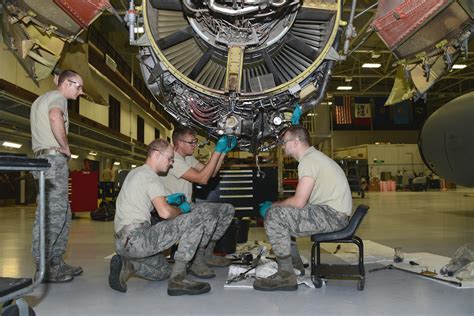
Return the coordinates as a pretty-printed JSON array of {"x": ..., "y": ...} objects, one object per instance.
[
  {"x": 65, "y": 75},
  {"x": 181, "y": 131},
  {"x": 158, "y": 144},
  {"x": 300, "y": 132}
]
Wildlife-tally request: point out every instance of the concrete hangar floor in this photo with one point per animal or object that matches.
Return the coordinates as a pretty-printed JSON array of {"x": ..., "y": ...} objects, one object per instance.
[{"x": 434, "y": 222}]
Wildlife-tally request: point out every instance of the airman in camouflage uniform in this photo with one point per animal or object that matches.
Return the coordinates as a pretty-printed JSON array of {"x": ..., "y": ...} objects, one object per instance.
[
  {"x": 322, "y": 203},
  {"x": 139, "y": 244},
  {"x": 188, "y": 170},
  {"x": 49, "y": 128}
]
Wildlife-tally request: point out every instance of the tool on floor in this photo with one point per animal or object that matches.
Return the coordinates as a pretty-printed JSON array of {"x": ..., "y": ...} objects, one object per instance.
[
  {"x": 424, "y": 273},
  {"x": 243, "y": 259},
  {"x": 428, "y": 272},
  {"x": 389, "y": 267},
  {"x": 244, "y": 275},
  {"x": 337, "y": 249}
]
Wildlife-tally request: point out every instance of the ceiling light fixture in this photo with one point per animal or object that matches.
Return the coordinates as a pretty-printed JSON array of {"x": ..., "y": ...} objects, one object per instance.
[
  {"x": 459, "y": 66},
  {"x": 11, "y": 144},
  {"x": 74, "y": 156},
  {"x": 345, "y": 88},
  {"x": 116, "y": 163},
  {"x": 371, "y": 65},
  {"x": 92, "y": 153},
  {"x": 134, "y": 166}
]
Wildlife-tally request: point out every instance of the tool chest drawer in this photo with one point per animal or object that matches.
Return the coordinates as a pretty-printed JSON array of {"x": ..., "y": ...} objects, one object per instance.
[{"x": 242, "y": 186}]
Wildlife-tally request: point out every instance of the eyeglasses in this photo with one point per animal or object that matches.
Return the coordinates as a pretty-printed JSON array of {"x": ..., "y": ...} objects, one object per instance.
[
  {"x": 194, "y": 142},
  {"x": 284, "y": 141},
  {"x": 78, "y": 86},
  {"x": 170, "y": 158}
]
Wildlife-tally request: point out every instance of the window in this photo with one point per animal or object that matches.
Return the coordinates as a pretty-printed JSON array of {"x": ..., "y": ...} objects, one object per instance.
[
  {"x": 140, "y": 129},
  {"x": 114, "y": 114},
  {"x": 157, "y": 133}
]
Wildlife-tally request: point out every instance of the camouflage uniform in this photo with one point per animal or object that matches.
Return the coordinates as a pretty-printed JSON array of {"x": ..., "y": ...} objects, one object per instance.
[
  {"x": 222, "y": 212},
  {"x": 143, "y": 244},
  {"x": 176, "y": 184},
  {"x": 282, "y": 222},
  {"x": 58, "y": 211}
]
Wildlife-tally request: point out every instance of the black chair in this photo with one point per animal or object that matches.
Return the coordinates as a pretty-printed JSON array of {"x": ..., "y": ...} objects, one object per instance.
[{"x": 325, "y": 271}]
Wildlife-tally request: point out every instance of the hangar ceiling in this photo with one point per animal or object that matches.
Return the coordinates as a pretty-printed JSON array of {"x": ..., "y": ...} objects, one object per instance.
[{"x": 366, "y": 47}]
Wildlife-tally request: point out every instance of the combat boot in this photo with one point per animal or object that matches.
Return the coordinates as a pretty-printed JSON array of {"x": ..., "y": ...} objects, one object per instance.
[
  {"x": 215, "y": 261},
  {"x": 76, "y": 271},
  {"x": 180, "y": 285},
  {"x": 280, "y": 281},
  {"x": 199, "y": 268},
  {"x": 56, "y": 274},
  {"x": 120, "y": 271}
]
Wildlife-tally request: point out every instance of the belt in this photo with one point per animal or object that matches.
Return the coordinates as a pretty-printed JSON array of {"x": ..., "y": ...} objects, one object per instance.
[
  {"x": 53, "y": 152},
  {"x": 127, "y": 229}
]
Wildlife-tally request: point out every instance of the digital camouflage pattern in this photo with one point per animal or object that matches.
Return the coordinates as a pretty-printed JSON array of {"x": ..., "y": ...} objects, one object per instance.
[
  {"x": 143, "y": 244},
  {"x": 282, "y": 222},
  {"x": 57, "y": 209}
]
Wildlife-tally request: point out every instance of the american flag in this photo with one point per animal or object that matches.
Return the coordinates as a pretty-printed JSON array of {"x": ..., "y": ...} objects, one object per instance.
[{"x": 343, "y": 110}]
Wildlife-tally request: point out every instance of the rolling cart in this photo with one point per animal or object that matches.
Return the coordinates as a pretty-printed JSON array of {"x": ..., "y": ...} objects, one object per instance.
[
  {"x": 356, "y": 171},
  {"x": 13, "y": 289}
]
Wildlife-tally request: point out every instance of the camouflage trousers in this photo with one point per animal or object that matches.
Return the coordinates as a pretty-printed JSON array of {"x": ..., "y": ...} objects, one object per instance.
[
  {"x": 282, "y": 222},
  {"x": 143, "y": 245},
  {"x": 223, "y": 212},
  {"x": 57, "y": 211}
]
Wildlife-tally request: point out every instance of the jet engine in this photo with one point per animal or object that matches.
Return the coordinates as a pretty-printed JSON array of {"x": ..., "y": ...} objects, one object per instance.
[
  {"x": 237, "y": 67},
  {"x": 446, "y": 141}
]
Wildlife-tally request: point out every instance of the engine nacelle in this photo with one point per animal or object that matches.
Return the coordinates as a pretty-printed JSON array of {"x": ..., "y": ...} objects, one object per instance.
[
  {"x": 238, "y": 68},
  {"x": 447, "y": 143}
]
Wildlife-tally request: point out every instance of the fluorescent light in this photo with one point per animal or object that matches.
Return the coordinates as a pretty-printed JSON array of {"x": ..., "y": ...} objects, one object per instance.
[
  {"x": 11, "y": 145},
  {"x": 134, "y": 166},
  {"x": 329, "y": 103},
  {"x": 459, "y": 66},
  {"x": 344, "y": 88},
  {"x": 74, "y": 156},
  {"x": 371, "y": 65},
  {"x": 92, "y": 153},
  {"x": 116, "y": 163}
]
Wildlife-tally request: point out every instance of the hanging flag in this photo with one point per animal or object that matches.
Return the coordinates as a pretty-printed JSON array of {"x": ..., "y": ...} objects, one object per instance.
[
  {"x": 381, "y": 114},
  {"x": 362, "y": 110},
  {"x": 362, "y": 113},
  {"x": 343, "y": 111},
  {"x": 402, "y": 113}
]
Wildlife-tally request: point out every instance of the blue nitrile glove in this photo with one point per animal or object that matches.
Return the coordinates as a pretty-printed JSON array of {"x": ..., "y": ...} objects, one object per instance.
[
  {"x": 264, "y": 207},
  {"x": 295, "y": 117},
  {"x": 221, "y": 144},
  {"x": 231, "y": 143},
  {"x": 176, "y": 199},
  {"x": 185, "y": 207}
]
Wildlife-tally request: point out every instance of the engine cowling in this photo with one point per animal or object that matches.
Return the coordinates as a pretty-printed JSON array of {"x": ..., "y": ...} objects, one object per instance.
[{"x": 238, "y": 67}]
